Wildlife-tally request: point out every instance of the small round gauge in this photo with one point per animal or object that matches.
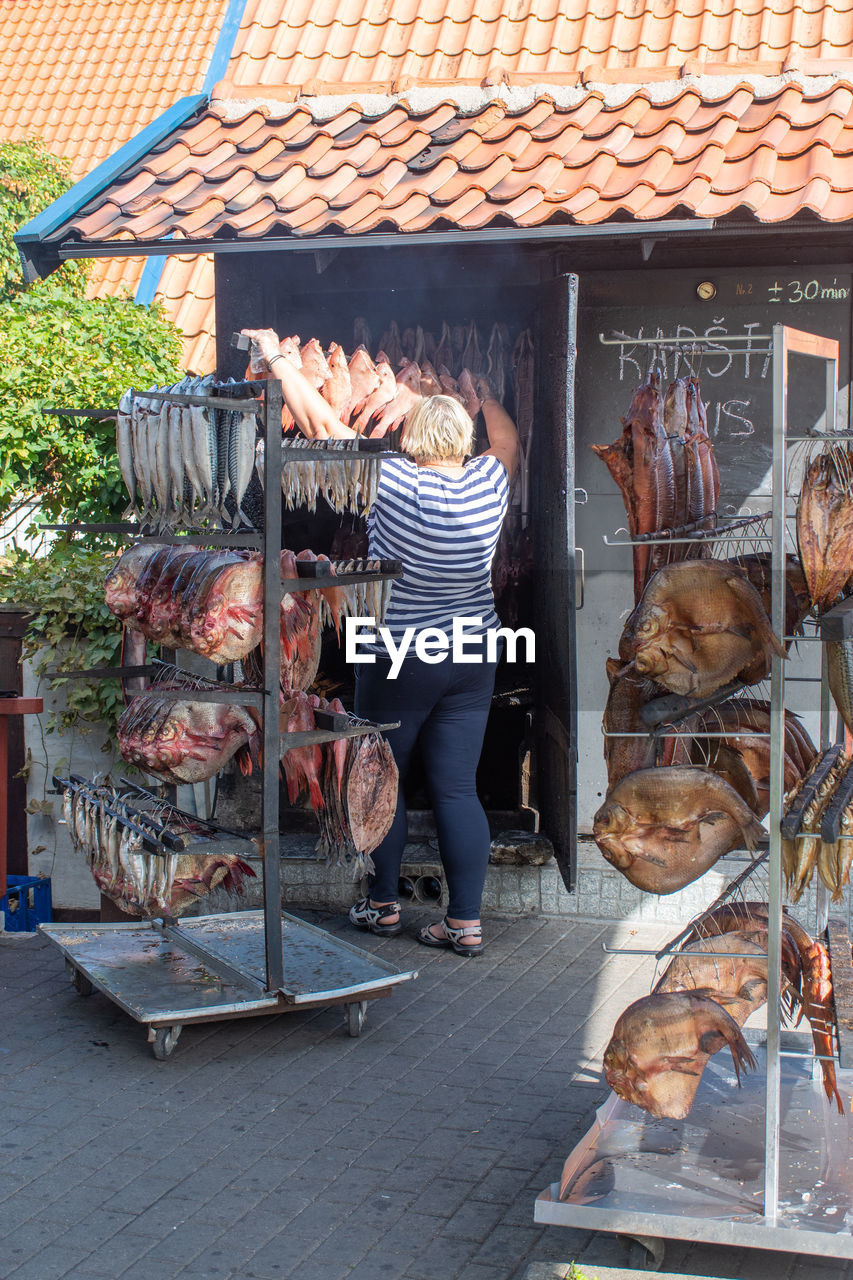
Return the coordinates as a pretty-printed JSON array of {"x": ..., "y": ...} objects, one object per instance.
[{"x": 706, "y": 290}]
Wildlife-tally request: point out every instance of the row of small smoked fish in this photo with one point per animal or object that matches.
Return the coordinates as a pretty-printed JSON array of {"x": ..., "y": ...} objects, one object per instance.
[
  {"x": 373, "y": 398},
  {"x": 351, "y": 784},
  {"x": 457, "y": 347},
  {"x": 143, "y": 883},
  {"x": 184, "y": 464},
  {"x": 662, "y": 1043},
  {"x": 807, "y": 851},
  {"x": 348, "y": 485},
  {"x": 664, "y": 465}
]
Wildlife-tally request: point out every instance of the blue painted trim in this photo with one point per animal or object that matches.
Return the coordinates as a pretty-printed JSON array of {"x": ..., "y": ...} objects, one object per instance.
[
  {"x": 149, "y": 281},
  {"x": 109, "y": 170},
  {"x": 224, "y": 47},
  {"x": 152, "y": 272}
]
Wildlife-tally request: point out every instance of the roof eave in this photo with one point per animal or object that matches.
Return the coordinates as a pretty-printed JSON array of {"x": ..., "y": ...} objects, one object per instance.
[
  {"x": 40, "y": 258},
  {"x": 379, "y": 239}
]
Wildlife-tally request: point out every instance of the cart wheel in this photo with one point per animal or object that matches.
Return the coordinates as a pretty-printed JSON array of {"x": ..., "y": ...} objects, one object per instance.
[
  {"x": 79, "y": 981},
  {"x": 645, "y": 1253},
  {"x": 355, "y": 1016},
  {"x": 164, "y": 1040}
]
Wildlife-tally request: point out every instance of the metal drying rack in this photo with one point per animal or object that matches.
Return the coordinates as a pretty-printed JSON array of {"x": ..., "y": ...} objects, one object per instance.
[
  {"x": 168, "y": 974},
  {"x": 741, "y": 1161}
]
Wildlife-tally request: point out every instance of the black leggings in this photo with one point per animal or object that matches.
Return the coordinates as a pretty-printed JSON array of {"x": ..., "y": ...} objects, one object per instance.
[{"x": 444, "y": 707}]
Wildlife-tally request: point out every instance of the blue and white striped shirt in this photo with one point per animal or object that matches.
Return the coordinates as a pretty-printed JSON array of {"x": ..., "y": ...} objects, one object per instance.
[{"x": 445, "y": 530}]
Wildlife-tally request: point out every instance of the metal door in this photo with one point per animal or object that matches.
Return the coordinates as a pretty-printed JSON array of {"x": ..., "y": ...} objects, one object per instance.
[{"x": 553, "y": 500}]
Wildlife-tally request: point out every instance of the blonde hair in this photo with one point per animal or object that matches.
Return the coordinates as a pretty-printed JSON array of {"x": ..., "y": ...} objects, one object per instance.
[{"x": 438, "y": 428}]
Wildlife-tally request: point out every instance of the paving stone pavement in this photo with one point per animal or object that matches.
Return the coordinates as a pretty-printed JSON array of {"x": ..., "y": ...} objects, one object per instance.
[{"x": 283, "y": 1149}]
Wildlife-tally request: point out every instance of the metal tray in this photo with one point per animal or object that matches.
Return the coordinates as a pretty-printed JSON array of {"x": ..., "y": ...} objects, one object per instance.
[
  {"x": 214, "y": 966},
  {"x": 702, "y": 1178}
]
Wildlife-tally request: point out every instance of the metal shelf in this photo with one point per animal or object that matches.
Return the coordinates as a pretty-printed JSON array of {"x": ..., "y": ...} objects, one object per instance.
[
  {"x": 251, "y": 962},
  {"x": 311, "y": 737},
  {"x": 620, "y": 1176}
]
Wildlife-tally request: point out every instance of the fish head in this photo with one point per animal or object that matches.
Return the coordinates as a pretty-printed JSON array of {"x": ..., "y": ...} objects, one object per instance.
[
  {"x": 615, "y": 851},
  {"x": 675, "y": 407},
  {"x": 624, "y": 1075},
  {"x": 315, "y": 366},
  {"x": 360, "y": 361},
  {"x": 611, "y": 819},
  {"x": 669, "y": 1094},
  {"x": 668, "y": 659},
  {"x": 610, "y": 824},
  {"x": 651, "y": 660},
  {"x": 336, "y": 357},
  {"x": 653, "y": 621}
]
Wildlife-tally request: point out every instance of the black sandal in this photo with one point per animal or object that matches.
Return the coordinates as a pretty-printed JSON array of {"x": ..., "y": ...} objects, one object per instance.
[
  {"x": 453, "y": 938},
  {"x": 364, "y": 916}
]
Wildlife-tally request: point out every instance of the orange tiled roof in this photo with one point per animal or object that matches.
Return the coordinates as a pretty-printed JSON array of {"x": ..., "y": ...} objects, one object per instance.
[
  {"x": 186, "y": 290},
  {"x": 88, "y": 75},
  {"x": 374, "y": 41},
  {"x": 251, "y": 170}
]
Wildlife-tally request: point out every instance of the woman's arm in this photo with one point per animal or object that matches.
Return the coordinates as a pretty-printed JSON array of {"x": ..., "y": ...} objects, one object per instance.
[
  {"x": 500, "y": 428},
  {"x": 314, "y": 417}
]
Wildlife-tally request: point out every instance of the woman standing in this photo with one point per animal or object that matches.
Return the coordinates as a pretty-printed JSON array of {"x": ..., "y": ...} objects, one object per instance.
[{"x": 441, "y": 516}]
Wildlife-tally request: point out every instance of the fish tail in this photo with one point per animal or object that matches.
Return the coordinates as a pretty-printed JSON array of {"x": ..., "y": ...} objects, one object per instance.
[
  {"x": 789, "y": 861},
  {"x": 827, "y": 868},
  {"x": 753, "y": 831},
  {"x": 822, "y": 1038},
  {"x": 742, "y": 1056},
  {"x": 844, "y": 856}
]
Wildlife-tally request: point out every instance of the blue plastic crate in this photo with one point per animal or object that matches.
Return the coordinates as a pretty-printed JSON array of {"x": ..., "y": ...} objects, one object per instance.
[{"x": 26, "y": 903}]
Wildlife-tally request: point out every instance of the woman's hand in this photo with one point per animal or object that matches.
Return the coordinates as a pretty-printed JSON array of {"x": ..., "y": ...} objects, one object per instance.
[
  {"x": 484, "y": 391},
  {"x": 266, "y": 341},
  {"x": 312, "y": 415},
  {"x": 469, "y": 394}
]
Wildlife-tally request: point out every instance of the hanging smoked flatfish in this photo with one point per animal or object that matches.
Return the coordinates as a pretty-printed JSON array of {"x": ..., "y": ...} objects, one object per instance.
[
  {"x": 663, "y": 828},
  {"x": 825, "y": 525}
]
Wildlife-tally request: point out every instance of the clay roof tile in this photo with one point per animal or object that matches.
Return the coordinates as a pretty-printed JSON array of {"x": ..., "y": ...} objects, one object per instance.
[
  {"x": 652, "y": 153},
  {"x": 547, "y": 176}
]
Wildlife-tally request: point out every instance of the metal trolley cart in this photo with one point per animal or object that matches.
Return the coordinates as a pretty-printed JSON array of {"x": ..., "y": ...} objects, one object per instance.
[
  {"x": 167, "y": 974},
  {"x": 767, "y": 1165}
]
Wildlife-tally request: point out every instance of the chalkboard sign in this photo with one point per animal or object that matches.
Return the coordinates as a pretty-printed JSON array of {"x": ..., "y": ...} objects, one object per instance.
[{"x": 736, "y": 381}]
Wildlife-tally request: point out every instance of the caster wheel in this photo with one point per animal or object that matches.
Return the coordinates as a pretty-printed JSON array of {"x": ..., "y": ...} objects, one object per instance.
[
  {"x": 79, "y": 981},
  {"x": 354, "y": 1014},
  {"x": 163, "y": 1041},
  {"x": 645, "y": 1253}
]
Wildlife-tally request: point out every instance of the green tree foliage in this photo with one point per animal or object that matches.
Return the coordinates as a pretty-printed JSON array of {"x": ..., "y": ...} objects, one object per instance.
[
  {"x": 58, "y": 350},
  {"x": 71, "y": 626},
  {"x": 30, "y": 179},
  {"x": 61, "y": 349}
]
